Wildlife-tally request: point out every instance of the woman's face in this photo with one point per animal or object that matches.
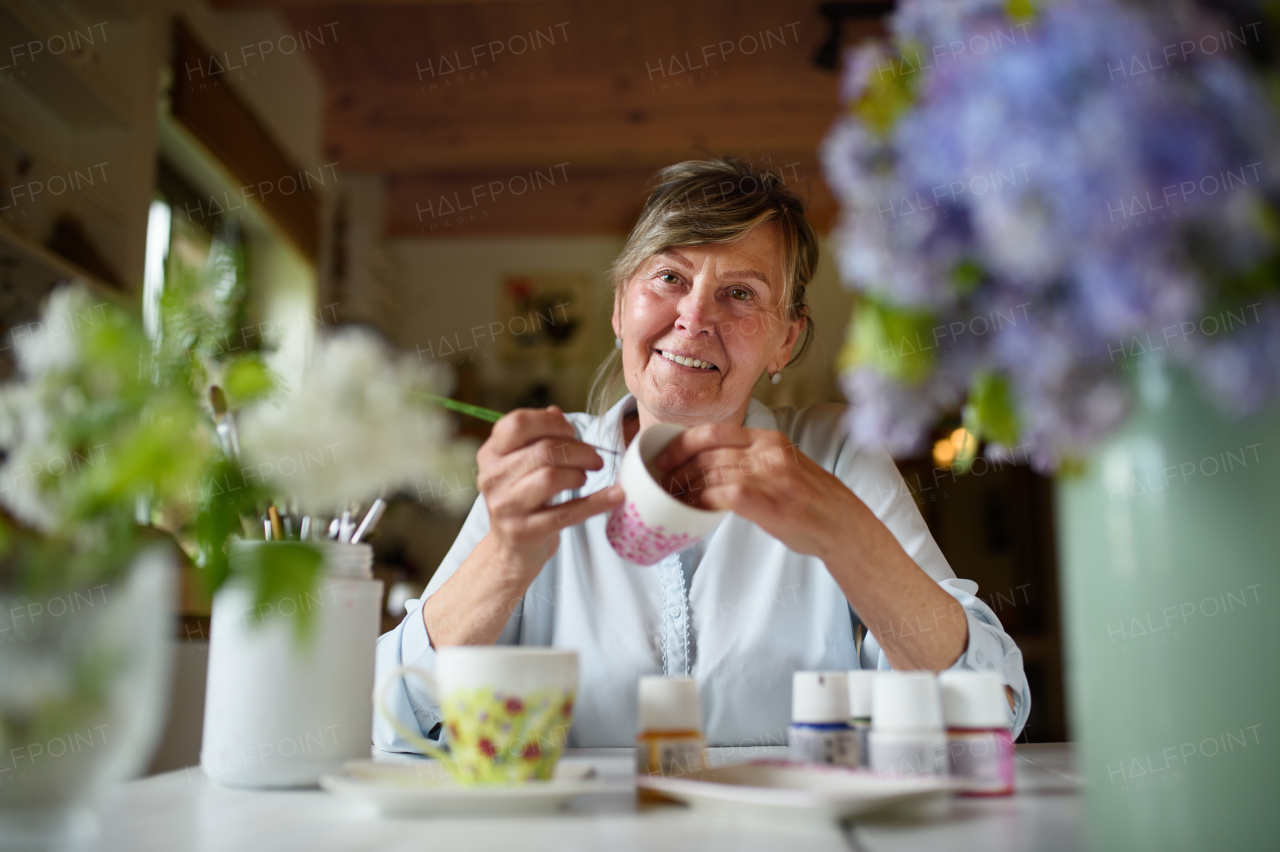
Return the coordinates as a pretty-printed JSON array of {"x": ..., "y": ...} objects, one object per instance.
[{"x": 717, "y": 304}]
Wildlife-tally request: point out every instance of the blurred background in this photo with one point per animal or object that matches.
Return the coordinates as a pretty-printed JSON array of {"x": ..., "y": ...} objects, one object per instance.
[{"x": 458, "y": 176}]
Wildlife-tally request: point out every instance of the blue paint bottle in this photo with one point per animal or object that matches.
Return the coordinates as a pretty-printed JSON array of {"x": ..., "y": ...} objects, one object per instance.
[{"x": 820, "y": 730}]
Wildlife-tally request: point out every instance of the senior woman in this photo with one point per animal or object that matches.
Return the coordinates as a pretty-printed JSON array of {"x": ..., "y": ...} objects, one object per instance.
[{"x": 709, "y": 297}]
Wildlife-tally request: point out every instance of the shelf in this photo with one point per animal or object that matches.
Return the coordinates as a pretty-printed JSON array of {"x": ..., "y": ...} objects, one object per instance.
[
  {"x": 38, "y": 269},
  {"x": 18, "y": 136},
  {"x": 75, "y": 96},
  {"x": 201, "y": 168}
]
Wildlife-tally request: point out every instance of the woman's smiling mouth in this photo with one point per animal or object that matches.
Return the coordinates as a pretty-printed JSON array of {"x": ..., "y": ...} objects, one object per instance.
[{"x": 684, "y": 361}]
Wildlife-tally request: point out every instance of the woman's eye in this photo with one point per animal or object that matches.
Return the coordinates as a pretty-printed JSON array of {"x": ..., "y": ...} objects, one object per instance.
[
  {"x": 741, "y": 294},
  {"x": 668, "y": 278}
]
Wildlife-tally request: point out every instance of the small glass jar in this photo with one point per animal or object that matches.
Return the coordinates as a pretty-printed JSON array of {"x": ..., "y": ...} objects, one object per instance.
[
  {"x": 860, "y": 686},
  {"x": 670, "y": 741},
  {"x": 907, "y": 736},
  {"x": 820, "y": 730},
  {"x": 979, "y": 742}
]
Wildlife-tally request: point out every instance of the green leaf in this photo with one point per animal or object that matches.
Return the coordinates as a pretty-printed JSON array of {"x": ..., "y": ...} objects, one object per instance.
[
  {"x": 1020, "y": 10},
  {"x": 967, "y": 275},
  {"x": 283, "y": 572},
  {"x": 889, "y": 93},
  {"x": 224, "y": 495},
  {"x": 896, "y": 341},
  {"x": 989, "y": 413},
  {"x": 151, "y": 453},
  {"x": 247, "y": 378}
]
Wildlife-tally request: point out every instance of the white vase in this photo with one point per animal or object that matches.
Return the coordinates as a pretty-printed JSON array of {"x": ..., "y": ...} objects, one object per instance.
[
  {"x": 283, "y": 708},
  {"x": 84, "y": 680}
]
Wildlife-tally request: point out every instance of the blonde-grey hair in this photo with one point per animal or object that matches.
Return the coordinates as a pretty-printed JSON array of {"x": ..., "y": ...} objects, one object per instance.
[{"x": 698, "y": 202}]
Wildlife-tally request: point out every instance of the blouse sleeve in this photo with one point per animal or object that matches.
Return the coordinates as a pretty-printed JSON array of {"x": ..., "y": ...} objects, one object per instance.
[
  {"x": 409, "y": 644},
  {"x": 871, "y": 474}
]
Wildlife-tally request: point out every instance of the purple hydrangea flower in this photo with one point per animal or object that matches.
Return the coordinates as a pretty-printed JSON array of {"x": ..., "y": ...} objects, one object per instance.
[{"x": 1105, "y": 171}]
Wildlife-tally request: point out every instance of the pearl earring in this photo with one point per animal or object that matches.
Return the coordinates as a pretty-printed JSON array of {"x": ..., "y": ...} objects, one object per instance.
[
  {"x": 617, "y": 342},
  {"x": 777, "y": 377}
]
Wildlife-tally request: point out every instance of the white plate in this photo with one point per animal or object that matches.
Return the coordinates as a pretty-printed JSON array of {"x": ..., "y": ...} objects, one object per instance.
[
  {"x": 778, "y": 788},
  {"x": 423, "y": 788}
]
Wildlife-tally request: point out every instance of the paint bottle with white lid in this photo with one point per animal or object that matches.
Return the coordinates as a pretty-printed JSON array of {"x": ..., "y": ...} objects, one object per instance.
[
  {"x": 979, "y": 742},
  {"x": 670, "y": 741},
  {"x": 907, "y": 737},
  {"x": 820, "y": 731},
  {"x": 860, "y": 687}
]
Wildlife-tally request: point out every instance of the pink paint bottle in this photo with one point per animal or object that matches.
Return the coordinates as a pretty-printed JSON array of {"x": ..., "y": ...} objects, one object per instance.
[{"x": 978, "y": 737}]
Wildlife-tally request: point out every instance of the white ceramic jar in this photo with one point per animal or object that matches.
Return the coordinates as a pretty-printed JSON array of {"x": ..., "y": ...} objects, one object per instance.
[{"x": 281, "y": 708}]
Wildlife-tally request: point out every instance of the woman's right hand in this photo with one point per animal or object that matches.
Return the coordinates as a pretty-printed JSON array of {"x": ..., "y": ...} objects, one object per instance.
[{"x": 532, "y": 455}]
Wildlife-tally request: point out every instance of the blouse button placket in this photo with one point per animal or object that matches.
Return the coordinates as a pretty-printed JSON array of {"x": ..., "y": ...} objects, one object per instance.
[{"x": 675, "y": 617}]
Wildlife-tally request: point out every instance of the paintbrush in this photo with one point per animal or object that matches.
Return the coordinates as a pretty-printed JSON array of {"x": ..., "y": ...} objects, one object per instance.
[
  {"x": 489, "y": 415},
  {"x": 370, "y": 519},
  {"x": 273, "y": 518},
  {"x": 224, "y": 424}
]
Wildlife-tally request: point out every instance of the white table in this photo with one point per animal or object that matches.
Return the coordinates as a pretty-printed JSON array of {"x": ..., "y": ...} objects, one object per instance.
[{"x": 182, "y": 810}]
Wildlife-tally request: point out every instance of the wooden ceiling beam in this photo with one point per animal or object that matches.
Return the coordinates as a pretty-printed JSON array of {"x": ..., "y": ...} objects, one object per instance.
[
  {"x": 389, "y": 132},
  {"x": 475, "y": 150},
  {"x": 550, "y": 200}
]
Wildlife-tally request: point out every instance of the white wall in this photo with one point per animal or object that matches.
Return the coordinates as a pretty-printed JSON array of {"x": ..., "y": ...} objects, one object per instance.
[{"x": 449, "y": 287}]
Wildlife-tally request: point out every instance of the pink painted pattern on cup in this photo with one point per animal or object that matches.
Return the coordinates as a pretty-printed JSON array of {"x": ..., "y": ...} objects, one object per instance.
[
  {"x": 651, "y": 523},
  {"x": 635, "y": 541}
]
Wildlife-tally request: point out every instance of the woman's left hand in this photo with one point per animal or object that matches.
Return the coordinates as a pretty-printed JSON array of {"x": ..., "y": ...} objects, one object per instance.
[{"x": 760, "y": 475}]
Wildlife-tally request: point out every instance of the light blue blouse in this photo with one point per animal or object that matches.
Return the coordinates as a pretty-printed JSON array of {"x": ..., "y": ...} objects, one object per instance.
[{"x": 739, "y": 612}]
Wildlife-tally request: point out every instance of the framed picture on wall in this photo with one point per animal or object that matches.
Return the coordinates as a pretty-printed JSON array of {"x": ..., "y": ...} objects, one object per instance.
[{"x": 545, "y": 318}]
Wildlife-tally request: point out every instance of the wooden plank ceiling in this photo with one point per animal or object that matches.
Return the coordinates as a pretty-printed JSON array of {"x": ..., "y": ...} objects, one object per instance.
[{"x": 455, "y": 105}]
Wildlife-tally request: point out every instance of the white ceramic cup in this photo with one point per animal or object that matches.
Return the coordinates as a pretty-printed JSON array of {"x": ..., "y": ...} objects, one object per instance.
[
  {"x": 506, "y": 709},
  {"x": 650, "y": 523}
]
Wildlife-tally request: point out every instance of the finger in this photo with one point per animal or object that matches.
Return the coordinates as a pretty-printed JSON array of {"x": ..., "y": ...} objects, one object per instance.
[
  {"x": 532, "y": 491},
  {"x": 685, "y": 488},
  {"x": 575, "y": 454},
  {"x": 552, "y": 452},
  {"x": 576, "y": 511},
  {"x": 710, "y": 466},
  {"x": 693, "y": 441},
  {"x": 737, "y": 497},
  {"x": 545, "y": 452},
  {"x": 686, "y": 481},
  {"x": 526, "y": 425}
]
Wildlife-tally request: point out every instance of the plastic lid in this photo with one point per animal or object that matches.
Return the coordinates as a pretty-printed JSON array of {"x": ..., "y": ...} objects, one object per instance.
[
  {"x": 819, "y": 697},
  {"x": 974, "y": 700},
  {"x": 860, "y": 681},
  {"x": 669, "y": 704},
  {"x": 906, "y": 701}
]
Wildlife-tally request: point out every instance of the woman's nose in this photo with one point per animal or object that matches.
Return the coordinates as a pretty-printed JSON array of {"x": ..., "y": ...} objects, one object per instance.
[{"x": 697, "y": 312}]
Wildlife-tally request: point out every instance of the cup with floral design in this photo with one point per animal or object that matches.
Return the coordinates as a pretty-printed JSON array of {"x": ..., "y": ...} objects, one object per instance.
[{"x": 506, "y": 711}]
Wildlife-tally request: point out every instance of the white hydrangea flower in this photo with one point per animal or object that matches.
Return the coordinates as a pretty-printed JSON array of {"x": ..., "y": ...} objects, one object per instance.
[
  {"x": 356, "y": 426},
  {"x": 52, "y": 344},
  {"x": 27, "y": 434}
]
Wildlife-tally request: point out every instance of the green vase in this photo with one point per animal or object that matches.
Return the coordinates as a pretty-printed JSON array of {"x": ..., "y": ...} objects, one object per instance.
[{"x": 1170, "y": 549}]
